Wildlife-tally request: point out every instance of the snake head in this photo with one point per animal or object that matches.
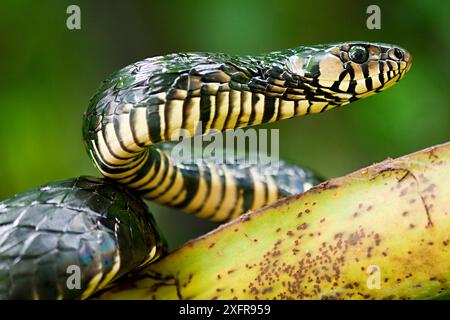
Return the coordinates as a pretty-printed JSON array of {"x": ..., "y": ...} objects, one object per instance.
[{"x": 349, "y": 71}]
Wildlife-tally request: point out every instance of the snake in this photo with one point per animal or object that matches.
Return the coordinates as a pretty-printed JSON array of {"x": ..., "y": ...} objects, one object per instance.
[{"x": 70, "y": 239}]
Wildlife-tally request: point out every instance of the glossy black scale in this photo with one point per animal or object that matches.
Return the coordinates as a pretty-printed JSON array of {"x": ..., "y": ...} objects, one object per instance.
[{"x": 92, "y": 224}]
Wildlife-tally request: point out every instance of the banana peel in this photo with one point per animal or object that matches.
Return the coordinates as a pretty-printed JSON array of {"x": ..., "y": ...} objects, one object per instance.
[{"x": 382, "y": 232}]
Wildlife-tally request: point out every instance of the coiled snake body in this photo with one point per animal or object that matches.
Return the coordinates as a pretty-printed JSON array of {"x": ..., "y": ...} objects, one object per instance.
[{"x": 103, "y": 227}]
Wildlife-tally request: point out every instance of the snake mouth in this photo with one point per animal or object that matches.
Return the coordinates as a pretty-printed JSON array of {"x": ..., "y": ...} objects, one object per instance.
[{"x": 392, "y": 69}]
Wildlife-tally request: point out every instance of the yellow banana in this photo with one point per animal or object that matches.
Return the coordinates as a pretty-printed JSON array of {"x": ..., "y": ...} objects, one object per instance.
[{"x": 382, "y": 232}]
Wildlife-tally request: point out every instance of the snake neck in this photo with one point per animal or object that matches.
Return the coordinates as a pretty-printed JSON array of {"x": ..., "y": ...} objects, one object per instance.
[{"x": 164, "y": 98}]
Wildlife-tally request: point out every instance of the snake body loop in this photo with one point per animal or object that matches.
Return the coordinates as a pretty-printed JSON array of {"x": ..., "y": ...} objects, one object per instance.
[
  {"x": 105, "y": 229},
  {"x": 70, "y": 238},
  {"x": 150, "y": 101}
]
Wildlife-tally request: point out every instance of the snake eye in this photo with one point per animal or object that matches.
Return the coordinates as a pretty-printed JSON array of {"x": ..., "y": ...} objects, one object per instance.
[
  {"x": 358, "y": 54},
  {"x": 398, "y": 54}
]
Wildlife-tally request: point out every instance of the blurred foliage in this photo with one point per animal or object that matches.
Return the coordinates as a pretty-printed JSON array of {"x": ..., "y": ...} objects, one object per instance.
[{"x": 48, "y": 74}]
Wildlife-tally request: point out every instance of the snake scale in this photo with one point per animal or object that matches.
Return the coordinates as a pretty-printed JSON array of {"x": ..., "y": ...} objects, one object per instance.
[{"x": 103, "y": 227}]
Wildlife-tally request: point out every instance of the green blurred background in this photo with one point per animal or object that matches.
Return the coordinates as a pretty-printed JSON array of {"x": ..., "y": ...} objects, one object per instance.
[{"x": 48, "y": 74}]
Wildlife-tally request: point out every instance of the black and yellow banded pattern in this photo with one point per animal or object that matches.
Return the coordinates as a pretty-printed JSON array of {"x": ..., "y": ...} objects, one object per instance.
[{"x": 150, "y": 101}]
